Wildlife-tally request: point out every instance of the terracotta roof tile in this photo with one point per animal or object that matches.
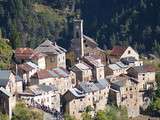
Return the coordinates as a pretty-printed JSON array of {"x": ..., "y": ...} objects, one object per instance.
[
  {"x": 42, "y": 74},
  {"x": 23, "y": 53},
  {"x": 118, "y": 51}
]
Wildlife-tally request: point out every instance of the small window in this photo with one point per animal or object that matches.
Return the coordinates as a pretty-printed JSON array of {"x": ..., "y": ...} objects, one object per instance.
[
  {"x": 84, "y": 41},
  {"x": 86, "y": 45},
  {"x": 126, "y": 89},
  {"x": 129, "y": 52},
  {"x": 131, "y": 96},
  {"x": 131, "y": 88},
  {"x": 77, "y": 35}
]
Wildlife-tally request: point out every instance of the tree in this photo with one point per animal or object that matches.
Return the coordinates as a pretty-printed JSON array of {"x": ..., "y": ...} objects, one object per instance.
[
  {"x": 22, "y": 112},
  {"x": 68, "y": 117},
  {"x": 155, "y": 105},
  {"x": 5, "y": 53},
  {"x": 112, "y": 113},
  {"x": 4, "y": 117},
  {"x": 86, "y": 116},
  {"x": 101, "y": 115}
]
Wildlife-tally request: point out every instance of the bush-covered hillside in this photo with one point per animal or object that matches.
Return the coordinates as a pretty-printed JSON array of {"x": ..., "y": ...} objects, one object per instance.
[
  {"x": 5, "y": 54},
  {"x": 133, "y": 22},
  {"x": 28, "y": 22},
  {"x": 110, "y": 22}
]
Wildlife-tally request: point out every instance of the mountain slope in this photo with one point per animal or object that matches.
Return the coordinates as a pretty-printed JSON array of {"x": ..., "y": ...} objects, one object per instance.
[{"x": 133, "y": 22}]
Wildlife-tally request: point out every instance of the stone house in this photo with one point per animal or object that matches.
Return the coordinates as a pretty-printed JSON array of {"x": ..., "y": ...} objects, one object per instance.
[
  {"x": 97, "y": 67},
  {"x": 43, "y": 95},
  {"x": 119, "y": 52},
  {"x": 8, "y": 81},
  {"x": 5, "y": 102},
  {"x": 83, "y": 45},
  {"x": 10, "y": 85},
  {"x": 26, "y": 70},
  {"x": 115, "y": 69},
  {"x": 131, "y": 61},
  {"x": 59, "y": 77},
  {"x": 86, "y": 94},
  {"x": 83, "y": 72},
  {"x": 124, "y": 92},
  {"x": 75, "y": 102},
  {"x": 38, "y": 59},
  {"x": 55, "y": 55},
  {"x": 145, "y": 75}
]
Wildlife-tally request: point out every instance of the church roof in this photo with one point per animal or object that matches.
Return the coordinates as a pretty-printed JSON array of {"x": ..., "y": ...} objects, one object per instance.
[{"x": 48, "y": 47}]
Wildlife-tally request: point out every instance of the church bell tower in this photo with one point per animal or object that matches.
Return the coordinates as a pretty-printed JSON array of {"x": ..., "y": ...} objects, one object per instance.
[{"x": 77, "y": 42}]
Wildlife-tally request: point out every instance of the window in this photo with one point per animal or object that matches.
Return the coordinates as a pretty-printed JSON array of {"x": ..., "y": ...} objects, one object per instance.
[
  {"x": 77, "y": 35},
  {"x": 51, "y": 59},
  {"x": 129, "y": 52},
  {"x": 84, "y": 41},
  {"x": 126, "y": 89},
  {"x": 100, "y": 92},
  {"x": 86, "y": 45},
  {"x": 131, "y": 88},
  {"x": 131, "y": 96},
  {"x": 81, "y": 100}
]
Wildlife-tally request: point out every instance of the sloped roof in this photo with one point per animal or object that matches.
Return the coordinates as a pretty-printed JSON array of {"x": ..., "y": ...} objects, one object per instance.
[
  {"x": 54, "y": 73},
  {"x": 5, "y": 91},
  {"x": 76, "y": 93},
  {"x": 117, "y": 51},
  {"x": 88, "y": 87},
  {"x": 23, "y": 53},
  {"x": 81, "y": 66},
  {"x": 48, "y": 47},
  {"x": 37, "y": 55},
  {"x": 89, "y": 40},
  {"x": 42, "y": 74},
  {"x": 95, "y": 61},
  {"x": 144, "y": 68},
  {"x": 4, "y": 77},
  {"x": 25, "y": 67},
  {"x": 39, "y": 89}
]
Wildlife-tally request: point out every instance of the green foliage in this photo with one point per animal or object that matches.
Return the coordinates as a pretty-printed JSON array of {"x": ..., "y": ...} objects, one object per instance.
[
  {"x": 155, "y": 105},
  {"x": 68, "y": 117},
  {"x": 21, "y": 112},
  {"x": 5, "y": 54},
  {"x": 123, "y": 22},
  {"x": 88, "y": 109},
  {"x": 29, "y": 22},
  {"x": 4, "y": 117},
  {"x": 112, "y": 113},
  {"x": 101, "y": 115},
  {"x": 86, "y": 116}
]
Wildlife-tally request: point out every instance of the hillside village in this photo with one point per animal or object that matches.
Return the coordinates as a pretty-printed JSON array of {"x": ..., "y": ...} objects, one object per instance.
[{"x": 47, "y": 79}]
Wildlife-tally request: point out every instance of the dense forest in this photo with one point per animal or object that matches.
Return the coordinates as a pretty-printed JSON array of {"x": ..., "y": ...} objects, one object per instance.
[{"x": 109, "y": 22}]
